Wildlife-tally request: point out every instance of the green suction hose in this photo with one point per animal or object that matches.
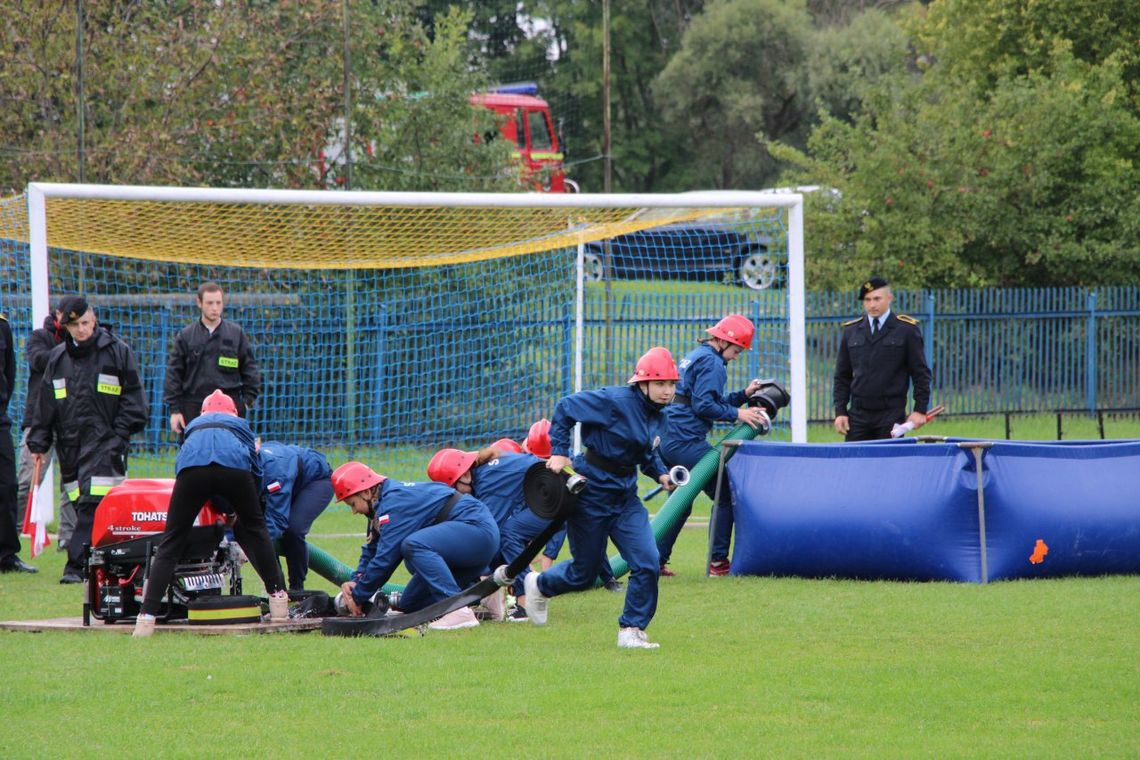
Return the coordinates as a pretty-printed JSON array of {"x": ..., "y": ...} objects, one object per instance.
[
  {"x": 682, "y": 498},
  {"x": 332, "y": 569}
]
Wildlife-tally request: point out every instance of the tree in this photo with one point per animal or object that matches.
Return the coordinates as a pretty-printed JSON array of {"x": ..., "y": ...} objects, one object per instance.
[
  {"x": 243, "y": 94},
  {"x": 740, "y": 71},
  {"x": 970, "y": 174}
]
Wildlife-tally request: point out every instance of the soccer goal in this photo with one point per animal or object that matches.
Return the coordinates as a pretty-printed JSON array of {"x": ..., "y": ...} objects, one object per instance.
[{"x": 404, "y": 321}]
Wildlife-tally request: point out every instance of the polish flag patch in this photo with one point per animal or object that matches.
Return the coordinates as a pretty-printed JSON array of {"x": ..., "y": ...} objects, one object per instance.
[
  {"x": 274, "y": 487},
  {"x": 383, "y": 520}
]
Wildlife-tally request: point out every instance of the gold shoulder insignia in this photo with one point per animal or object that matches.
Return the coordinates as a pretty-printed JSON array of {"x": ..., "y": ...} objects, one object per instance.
[
  {"x": 855, "y": 321},
  {"x": 4, "y": 317},
  {"x": 908, "y": 319}
]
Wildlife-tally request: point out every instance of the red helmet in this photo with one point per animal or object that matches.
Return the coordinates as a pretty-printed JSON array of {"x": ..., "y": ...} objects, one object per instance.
[
  {"x": 507, "y": 446},
  {"x": 448, "y": 465},
  {"x": 734, "y": 328},
  {"x": 657, "y": 364},
  {"x": 353, "y": 477},
  {"x": 538, "y": 439},
  {"x": 218, "y": 401}
]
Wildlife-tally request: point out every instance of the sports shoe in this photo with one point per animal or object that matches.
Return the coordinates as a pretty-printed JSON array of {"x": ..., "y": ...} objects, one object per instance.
[
  {"x": 720, "y": 567},
  {"x": 70, "y": 576},
  {"x": 613, "y": 584},
  {"x": 535, "y": 601},
  {"x": 666, "y": 572},
  {"x": 496, "y": 605},
  {"x": 634, "y": 638},
  {"x": 278, "y": 607},
  {"x": 518, "y": 615},
  {"x": 144, "y": 626},
  {"x": 464, "y": 617}
]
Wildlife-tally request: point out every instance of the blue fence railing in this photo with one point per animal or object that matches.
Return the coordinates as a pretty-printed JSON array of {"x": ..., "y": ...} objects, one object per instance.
[
  {"x": 1005, "y": 350},
  {"x": 991, "y": 351}
]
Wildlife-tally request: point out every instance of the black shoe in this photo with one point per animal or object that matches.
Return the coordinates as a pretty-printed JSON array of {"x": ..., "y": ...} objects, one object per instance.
[
  {"x": 17, "y": 565},
  {"x": 518, "y": 615},
  {"x": 71, "y": 577},
  {"x": 613, "y": 584}
]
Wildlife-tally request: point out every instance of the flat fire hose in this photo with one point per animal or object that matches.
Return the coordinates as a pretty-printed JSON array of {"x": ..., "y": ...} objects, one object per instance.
[
  {"x": 682, "y": 498},
  {"x": 546, "y": 493}
]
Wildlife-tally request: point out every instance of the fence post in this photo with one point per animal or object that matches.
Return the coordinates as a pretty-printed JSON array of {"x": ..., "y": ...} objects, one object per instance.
[
  {"x": 754, "y": 356},
  {"x": 567, "y": 351},
  {"x": 1090, "y": 356},
  {"x": 928, "y": 347},
  {"x": 378, "y": 378}
]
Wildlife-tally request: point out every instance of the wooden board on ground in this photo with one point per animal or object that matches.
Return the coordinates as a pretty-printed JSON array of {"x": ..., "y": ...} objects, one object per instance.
[{"x": 76, "y": 624}]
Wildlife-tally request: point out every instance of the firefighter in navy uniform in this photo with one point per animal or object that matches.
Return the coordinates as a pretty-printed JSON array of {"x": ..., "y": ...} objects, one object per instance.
[
  {"x": 880, "y": 356},
  {"x": 212, "y": 353},
  {"x": 621, "y": 428},
  {"x": 90, "y": 404}
]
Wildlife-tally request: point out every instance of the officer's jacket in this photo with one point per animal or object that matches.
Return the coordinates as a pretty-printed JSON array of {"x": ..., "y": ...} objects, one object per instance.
[
  {"x": 620, "y": 426},
  {"x": 221, "y": 439},
  {"x": 703, "y": 376},
  {"x": 404, "y": 508},
  {"x": 875, "y": 372},
  {"x": 91, "y": 401},
  {"x": 499, "y": 484},
  {"x": 285, "y": 471},
  {"x": 201, "y": 362},
  {"x": 38, "y": 347},
  {"x": 7, "y": 370}
]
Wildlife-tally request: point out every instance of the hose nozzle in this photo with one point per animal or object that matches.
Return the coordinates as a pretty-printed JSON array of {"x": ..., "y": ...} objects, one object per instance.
[{"x": 679, "y": 474}]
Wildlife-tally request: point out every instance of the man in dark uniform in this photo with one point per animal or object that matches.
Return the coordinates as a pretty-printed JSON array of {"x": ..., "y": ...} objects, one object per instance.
[
  {"x": 38, "y": 349},
  {"x": 90, "y": 404},
  {"x": 879, "y": 357},
  {"x": 10, "y": 562},
  {"x": 212, "y": 353}
]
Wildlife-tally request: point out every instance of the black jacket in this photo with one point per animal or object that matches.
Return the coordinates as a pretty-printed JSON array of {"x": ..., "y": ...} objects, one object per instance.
[
  {"x": 201, "y": 362},
  {"x": 91, "y": 400},
  {"x": 38, "y": 348},
  {"x": 7, "y": 371},
  {"x": 875, "y": 372}
]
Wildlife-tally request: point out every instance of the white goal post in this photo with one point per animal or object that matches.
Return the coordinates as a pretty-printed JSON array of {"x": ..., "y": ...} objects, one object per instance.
[{"x": 635, "y": 207}]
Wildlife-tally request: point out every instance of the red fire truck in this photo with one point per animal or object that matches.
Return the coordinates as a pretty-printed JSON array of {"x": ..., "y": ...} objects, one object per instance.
[{"x": 524, "y": 119}]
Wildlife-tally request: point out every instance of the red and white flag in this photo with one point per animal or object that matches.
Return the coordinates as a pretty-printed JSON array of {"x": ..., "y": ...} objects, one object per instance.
[{"x": 37, "y": 515}]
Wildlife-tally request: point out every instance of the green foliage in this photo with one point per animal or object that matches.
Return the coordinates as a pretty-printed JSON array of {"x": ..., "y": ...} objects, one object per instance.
[
  {"x": 740, "y": 71},
  {"x": 240, "y": 94},
  {"x": 846, "y": 60},
  {"x": 1018, "y": 176}
]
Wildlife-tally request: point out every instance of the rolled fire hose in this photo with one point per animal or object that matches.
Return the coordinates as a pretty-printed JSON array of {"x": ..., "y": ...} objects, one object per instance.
[
  {"x": 550, "y": 494},
  {"x": 682, "y": 498}
]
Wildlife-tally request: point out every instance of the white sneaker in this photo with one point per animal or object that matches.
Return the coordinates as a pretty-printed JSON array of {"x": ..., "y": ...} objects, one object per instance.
[
  {"x": 535, "y": 601},
  {"x": 144, "y": 626},
  {"x": 496, "y": 605},
  {"x": 464, "y": 617},
  {"x": 634, "y": 638},
  {"x": 278, "y": 607}
]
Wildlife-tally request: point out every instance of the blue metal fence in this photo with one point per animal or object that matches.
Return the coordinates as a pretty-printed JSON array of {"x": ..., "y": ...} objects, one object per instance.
[
  {"x": 1004, "y": 350},
  {"x": 991, "y": 351}
]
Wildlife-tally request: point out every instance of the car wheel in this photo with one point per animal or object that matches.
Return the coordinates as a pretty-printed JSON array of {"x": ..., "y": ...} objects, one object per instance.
[
  {"x": 758, "y": 269},
  {"x": 592, "y": 266}
]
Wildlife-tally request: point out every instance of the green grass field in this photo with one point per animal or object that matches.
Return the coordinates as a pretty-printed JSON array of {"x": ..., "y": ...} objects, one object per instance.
[{"x": 748, "y": 667}]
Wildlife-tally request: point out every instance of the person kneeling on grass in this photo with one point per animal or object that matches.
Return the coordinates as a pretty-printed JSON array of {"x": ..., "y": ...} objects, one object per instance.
[
  {"x": 496, "y": 477},
  {"x": 621, "y": 426},
  {"x": 445, "y": 538},
  {"x": 218, "y": 459}
]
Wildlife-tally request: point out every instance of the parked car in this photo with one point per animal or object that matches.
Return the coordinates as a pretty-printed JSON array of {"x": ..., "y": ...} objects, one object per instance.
[{"x": 686, "y": 252}]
